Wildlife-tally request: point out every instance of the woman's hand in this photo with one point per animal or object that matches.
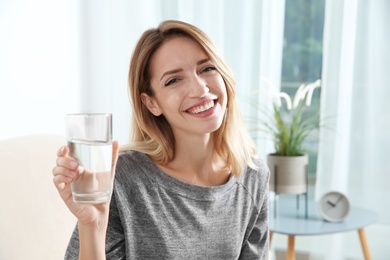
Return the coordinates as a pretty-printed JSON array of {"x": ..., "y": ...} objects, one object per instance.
[
  {"x": 92, "y": 218},
  {"x": 66, "y": 171}
]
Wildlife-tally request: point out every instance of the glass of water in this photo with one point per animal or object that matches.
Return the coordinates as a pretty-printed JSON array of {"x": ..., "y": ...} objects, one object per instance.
[{"x": 89, "y": 139}]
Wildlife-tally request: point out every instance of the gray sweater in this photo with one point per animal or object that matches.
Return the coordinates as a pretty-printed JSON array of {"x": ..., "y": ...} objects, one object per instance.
[{"x": 156, "y": 216}]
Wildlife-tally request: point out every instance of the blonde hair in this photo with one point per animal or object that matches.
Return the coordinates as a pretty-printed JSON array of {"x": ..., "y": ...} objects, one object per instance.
[{"x": 151, "y": 134}]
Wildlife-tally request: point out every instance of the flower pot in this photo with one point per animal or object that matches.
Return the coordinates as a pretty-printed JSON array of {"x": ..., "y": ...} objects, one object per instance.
[{"x": 288, "y": 174}]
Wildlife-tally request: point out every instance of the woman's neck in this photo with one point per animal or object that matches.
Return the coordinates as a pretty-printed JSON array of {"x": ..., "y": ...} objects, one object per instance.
[{"x": 196, "y": 162}]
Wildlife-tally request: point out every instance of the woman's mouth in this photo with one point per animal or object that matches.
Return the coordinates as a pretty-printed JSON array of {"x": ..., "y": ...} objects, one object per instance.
[{"x": 201, "y": 108}]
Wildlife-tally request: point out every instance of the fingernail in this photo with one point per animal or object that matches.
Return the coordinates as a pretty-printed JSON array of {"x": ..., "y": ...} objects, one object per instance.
[
  {"x": 80, "y": 169},
  {"x": 61, "y": 151},
  {"x": 73, "y": 164}
]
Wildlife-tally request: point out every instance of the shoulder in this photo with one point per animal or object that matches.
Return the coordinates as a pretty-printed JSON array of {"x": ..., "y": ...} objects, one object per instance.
[
  {"x": 134, "y": 160},
  {"x": 134, "y": 165},
  {"x": 259, "y": 175},
  {"x": 131, "y": 157},
  {"x": 256, "y": 181}
]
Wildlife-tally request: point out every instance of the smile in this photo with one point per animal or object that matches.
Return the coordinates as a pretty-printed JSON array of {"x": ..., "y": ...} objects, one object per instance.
[{"x": 202, "y": 108}]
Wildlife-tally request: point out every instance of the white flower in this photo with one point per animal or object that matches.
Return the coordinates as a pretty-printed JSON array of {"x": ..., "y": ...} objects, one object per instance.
[
  {"x": 286, "y": 98},
  {"x": 299, "y": 95},
  {"x": 309, "y": 89},
  {"x": 302, "y": 93}
]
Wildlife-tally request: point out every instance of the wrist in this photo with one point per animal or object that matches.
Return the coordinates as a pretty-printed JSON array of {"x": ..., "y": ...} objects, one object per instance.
[{"x": 92, "y": 238}]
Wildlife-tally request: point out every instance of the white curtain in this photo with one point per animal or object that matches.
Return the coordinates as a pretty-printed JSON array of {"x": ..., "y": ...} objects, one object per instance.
[{"x": 354, "y": 152}]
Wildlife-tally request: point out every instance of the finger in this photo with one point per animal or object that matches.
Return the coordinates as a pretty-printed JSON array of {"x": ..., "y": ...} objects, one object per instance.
[
  {"x": 65, "y": 171},
  {"x": 115, "y": 150},
  {"x": 115, "y": 154},
  {"x": 67, "y": 162},
  {"x": 63, "y": 187},
  {"x": 63, "y": 151},
  {"x": 60, "y": 181}
]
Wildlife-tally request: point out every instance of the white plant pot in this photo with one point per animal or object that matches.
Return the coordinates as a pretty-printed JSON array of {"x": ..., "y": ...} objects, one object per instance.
[{"x": 291, "y": 173}]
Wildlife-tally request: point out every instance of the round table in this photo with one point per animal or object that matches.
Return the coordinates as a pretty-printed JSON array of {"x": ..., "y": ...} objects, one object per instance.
[{"x": 292, "y": 222}]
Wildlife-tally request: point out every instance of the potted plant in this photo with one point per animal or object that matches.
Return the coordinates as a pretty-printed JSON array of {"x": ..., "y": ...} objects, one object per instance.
[{"x": 289, "y": 127}]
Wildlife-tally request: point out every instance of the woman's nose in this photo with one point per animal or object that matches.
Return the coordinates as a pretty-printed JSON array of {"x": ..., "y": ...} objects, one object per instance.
[{"x": 198, "y": 87}]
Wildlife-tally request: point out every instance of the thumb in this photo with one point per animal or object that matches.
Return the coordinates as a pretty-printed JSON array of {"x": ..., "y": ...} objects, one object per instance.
[{"x": 115, "y": 154}]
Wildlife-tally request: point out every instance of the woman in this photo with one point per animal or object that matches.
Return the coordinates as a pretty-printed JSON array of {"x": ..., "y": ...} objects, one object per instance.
[{"x": 188, "y": 185}]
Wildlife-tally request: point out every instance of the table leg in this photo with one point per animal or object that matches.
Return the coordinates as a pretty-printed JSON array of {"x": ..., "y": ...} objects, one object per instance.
[
  {"x": 270, "y": 237},
  {"x": 363, "y": 241},
  {"x": 290, "y": 248}
]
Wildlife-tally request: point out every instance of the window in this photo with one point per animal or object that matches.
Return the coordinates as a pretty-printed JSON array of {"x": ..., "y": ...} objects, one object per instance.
[{"x": 302, "y": 58}]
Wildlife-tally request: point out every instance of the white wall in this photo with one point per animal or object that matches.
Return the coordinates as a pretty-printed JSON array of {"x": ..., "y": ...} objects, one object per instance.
[
  {"x": 64, "y": 56},
  {"x": 39, "y": 65}
]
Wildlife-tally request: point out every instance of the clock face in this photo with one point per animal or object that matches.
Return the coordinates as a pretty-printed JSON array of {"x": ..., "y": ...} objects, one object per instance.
[{"x": 334, "y": 206}]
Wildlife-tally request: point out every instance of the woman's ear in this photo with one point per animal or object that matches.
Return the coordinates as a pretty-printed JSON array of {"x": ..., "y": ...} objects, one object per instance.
[{"x": 151, "y": 104}]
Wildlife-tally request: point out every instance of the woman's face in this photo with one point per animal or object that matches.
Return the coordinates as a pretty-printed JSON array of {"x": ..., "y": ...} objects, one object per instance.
[{"x": 189, "y": 91}]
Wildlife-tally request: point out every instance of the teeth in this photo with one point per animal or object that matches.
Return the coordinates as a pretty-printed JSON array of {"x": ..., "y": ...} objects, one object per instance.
[{"x": 199, "y": 109}]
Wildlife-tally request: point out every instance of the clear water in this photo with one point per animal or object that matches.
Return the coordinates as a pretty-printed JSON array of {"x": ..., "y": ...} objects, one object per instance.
[{"x": 94, "y": 183}]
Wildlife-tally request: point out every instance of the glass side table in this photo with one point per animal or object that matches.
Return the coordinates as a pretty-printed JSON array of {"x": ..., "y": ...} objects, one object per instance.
[{"x": 289, "y": 222}]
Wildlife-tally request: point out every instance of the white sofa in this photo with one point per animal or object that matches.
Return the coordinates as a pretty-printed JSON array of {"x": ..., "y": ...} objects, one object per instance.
[{"x": 34, "y": 222}]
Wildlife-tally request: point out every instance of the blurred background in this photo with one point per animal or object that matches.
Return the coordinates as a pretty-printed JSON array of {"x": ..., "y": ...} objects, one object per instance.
[{"x": 70, "y": 56}]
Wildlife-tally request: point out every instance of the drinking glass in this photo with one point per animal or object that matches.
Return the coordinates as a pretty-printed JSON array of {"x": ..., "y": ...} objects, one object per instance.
[{"x": 89, "y": 138}]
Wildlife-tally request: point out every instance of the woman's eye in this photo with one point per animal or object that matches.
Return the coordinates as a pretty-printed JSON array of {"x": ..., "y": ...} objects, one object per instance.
[
  {"x": 172, "y": 81},
  {"x": 210, "y": 68}
]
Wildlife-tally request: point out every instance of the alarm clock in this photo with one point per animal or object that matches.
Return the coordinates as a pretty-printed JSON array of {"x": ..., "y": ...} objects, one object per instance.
[{"x": 334, "y": 206}]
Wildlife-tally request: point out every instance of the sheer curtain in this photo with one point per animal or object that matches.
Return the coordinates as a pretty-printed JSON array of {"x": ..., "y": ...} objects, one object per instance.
[{"x": 354, "y": 154}]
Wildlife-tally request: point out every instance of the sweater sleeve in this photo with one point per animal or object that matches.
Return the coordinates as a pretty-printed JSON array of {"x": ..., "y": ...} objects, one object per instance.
[
  {"x": 115, "y": 238},
  {"x": 257, "y": 244},
  {"x": 115, "y": 242}
]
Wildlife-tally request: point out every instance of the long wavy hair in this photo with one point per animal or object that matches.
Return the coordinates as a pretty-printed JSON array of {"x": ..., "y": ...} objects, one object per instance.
[{"x": 152, "y": 134}]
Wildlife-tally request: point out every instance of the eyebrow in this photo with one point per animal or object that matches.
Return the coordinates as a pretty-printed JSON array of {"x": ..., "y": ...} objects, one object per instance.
[{"x": 179, "y": 70}]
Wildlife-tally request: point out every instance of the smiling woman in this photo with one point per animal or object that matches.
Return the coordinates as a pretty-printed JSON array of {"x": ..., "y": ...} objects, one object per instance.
[{"x": 188, "y": 185}]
